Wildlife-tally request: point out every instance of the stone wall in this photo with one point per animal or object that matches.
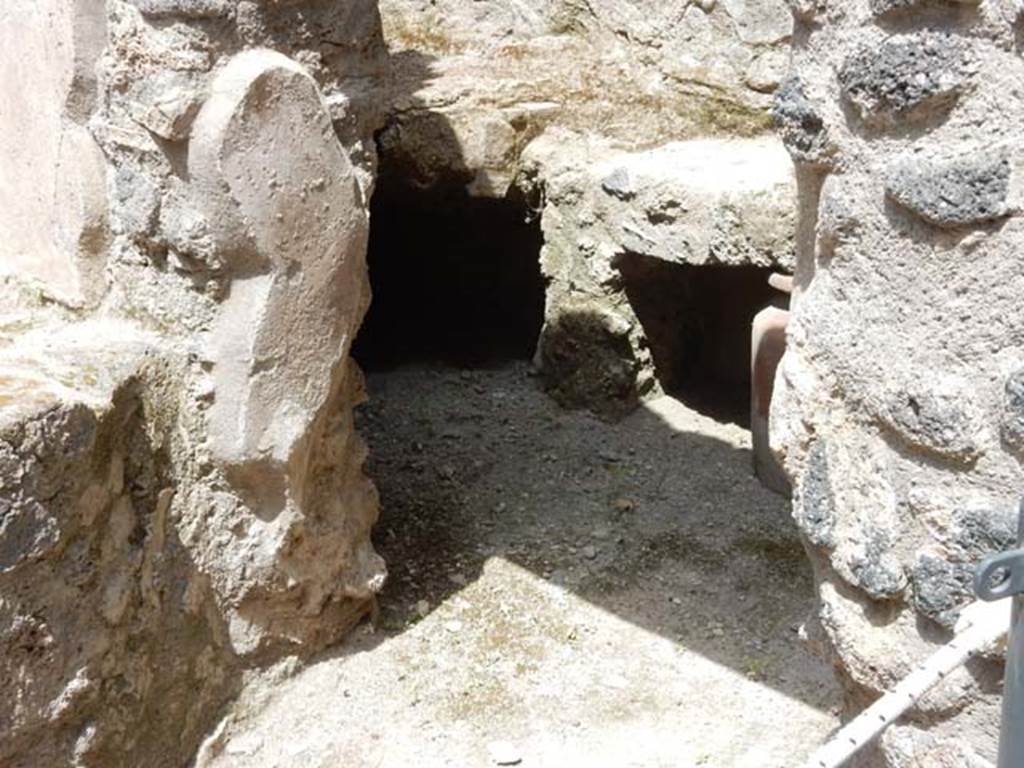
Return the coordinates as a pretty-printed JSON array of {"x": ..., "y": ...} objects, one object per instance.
[
  {"x": 620, "y": 228},
  {"x": 474, "y": 81},
  {"x": 182, "y": 273},
  {"x": 897, "y": 408},
  {"x": 597, "y": 114},
  {"x": 183, "y": 270}
]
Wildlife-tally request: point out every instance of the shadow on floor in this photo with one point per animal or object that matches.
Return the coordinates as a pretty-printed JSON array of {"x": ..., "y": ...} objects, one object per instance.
[{"x": 656, "y": 519}]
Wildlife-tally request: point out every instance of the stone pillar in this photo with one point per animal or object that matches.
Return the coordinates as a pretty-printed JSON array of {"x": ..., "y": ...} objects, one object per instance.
[{"x": 898, "y": 411}]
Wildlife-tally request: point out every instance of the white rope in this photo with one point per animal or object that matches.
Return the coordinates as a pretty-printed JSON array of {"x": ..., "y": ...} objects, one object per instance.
[{"x": 981, "y": 626}]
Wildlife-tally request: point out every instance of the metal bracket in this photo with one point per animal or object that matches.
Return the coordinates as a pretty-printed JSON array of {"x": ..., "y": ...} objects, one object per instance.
[
  {"x": 1003, "y": 576},
  {"x": 1000, "y": 576}
]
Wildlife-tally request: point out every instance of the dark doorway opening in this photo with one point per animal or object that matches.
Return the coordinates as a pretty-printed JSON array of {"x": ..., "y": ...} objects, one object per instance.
[
  {"x": 697, "y": 323},
  {"x": 455, "y": 279}
]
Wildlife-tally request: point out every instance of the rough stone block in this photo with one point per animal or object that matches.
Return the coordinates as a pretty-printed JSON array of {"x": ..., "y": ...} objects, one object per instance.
[
  {"x": 167, "y": 109},
  {"x": 760, "y": 23},
  {"x": 961, "y": 190},
  {"x": 93, "y": 577},
  {"x": 898, "y": 80},
  {"x": 801, "y": 126},
  {"x": 938, "y": 416},
  {"x": 814, "y": 506},
  {"x": 702, "y": 202},
  {"x": 284, "y": 207}
]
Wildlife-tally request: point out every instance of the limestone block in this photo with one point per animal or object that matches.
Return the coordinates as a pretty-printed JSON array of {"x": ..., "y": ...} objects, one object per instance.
[
  {"x": 760, "y": 23},
  {"x": 166, "y": 106},
  {"x": 475, "y": 82},
  {"x": 54, "y": 187},
  {"x": 702, "y": 202},
  {"x": 285, "y": 211},
  {"x": 274, "y": 202},
  {"x": 699, "y": 202},
  {"x": 767, "y": 71}
]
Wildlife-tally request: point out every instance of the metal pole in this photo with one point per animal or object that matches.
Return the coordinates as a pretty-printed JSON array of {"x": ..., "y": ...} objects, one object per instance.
[{"x": 999, "y": 577}]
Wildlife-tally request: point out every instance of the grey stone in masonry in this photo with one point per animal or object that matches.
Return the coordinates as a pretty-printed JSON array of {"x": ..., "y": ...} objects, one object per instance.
[
  {"x": 801, "y": 126},
  {"x": 814, "y": 506},
  {"x": 882, "y": 7},
  {"x": 874, "y": 569},
  {"x": 943, "y": 575},
  {"x": 184, "y": 8},
  {"x": 941, "y": 587},
  {"x": 904, "y": 77},
  {"x": 1012, "y": 422},
  {"x": 939, "y": 416},
  {"x": 959, "y": 190}
]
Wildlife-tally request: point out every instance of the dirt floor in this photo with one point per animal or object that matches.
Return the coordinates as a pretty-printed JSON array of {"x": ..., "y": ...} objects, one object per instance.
[{"x": 563, "y": 592}]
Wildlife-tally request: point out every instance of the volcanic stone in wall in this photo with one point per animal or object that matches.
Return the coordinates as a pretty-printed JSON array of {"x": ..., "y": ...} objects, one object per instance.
[
  {"x": 967, "y": 188},
  {"x": 904, "y": 78},
  {"x": 882, "y": 7},
  {"x": 943, "y": 573},
  {"x": 938, "y": 416},
  {"x": 814, "y": 508},
  {"x": 801, "y": 126}
]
